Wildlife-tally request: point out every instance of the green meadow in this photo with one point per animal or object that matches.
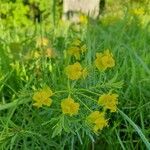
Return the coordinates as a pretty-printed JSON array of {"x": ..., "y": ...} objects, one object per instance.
[{"x": 74, "y": 86}]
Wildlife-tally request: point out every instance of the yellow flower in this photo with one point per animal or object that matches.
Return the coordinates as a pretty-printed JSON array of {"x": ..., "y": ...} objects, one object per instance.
[
  {"x": 36, "y": 54},
  {"x": 109, "y": 101},
  {"x": 69, "y": 107},
  {"x": 138, "y": 11},
  {"x": 74, "y": 51},
  {"x": 75, "y": 71},
  {"x": 104, "y": 60},
  {"x": 93, "y": 116},
  {"x": 42, "y": 42},
  {"x": 83, "y": 19},
  {"x": 41, "y": 97},
  {"x": 100, "y": 123},
  {"x": 76, "y": 42},
  {"x": 50, "y": 53},
  {"x": 97, "y": 120}
]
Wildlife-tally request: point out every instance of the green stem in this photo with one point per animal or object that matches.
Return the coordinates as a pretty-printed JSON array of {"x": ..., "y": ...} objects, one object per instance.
[
  {"x": 63, "y": 91},
  {"x": 84, "y": 104},
  {"x": 69, "y": 87},
  {"x": 87, "y": 97},
  {"x": 13, "y": 104},
  {"x": 89, "y": 91},
  {"x": 97, "y": 86}
]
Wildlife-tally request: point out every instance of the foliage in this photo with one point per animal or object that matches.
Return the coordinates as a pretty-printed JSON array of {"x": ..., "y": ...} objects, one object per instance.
[{"x": 61, "y": 84}]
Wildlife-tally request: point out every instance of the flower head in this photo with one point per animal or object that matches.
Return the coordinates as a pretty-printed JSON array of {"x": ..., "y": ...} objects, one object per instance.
[
  {"x": 104, "y": 60},
  {"x": 41, "y": 97},
  {"x": 69, "y": 107},
  {"x": 109, "y": 101},
  {"x": 97, "y": 120},
  {"x": 75, "y": 71},
  {"x": 76, "y": 42},
  {"x": 83, "y": 19},
  {"x": 138, "y": 11},
  {"x": 36, "y": 55},
  {"x": 50, "y": 53},
  {"x": 42, "y": 42},
  {"x": 76, "y": 49}
]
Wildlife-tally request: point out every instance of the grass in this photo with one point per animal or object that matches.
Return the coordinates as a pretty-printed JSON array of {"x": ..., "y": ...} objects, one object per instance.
[{"x": 24, "y": 127}]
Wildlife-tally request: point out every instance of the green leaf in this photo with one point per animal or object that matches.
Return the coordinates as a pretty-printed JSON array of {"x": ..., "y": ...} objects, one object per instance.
[
  {"x": 57, "y": 130},
  {"x": 137, "y": 129}
]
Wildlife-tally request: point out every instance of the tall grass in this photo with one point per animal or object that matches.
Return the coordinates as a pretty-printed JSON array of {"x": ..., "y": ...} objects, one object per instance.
[{"x": 24, "y": 127}]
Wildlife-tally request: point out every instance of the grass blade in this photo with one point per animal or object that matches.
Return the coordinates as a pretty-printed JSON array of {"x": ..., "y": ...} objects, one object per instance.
[{"x": 137, "y": 129}]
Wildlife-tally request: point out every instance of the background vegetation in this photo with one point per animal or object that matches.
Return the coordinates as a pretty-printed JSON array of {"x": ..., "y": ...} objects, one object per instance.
[{"x": 123, "y": 28}]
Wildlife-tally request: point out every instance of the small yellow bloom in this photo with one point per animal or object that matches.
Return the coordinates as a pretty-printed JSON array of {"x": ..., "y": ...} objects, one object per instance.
[
  {"x": 74, "y": 51},
  {"x": 41, "y": 97},
  {"x": 83, "y": 19},
  {"x": 100, "y": 123},
  {"x": 138, "y": 11},
  {"x": 75, "y": 71},
  {"x": 104, "y": 60},
  {"x": 33, "y": 54},
  {"x": 109, "y": 101},
  {"x": 69, "y": 107},
  {"x": 36, "y": 55},
  {"x": 97, "y": 120},
  {"x": 93, "y": 116},
  {"x": 50, "y": 53},
  {"x": 42, "y": 42},
  {"x": 76, "y": 42}
]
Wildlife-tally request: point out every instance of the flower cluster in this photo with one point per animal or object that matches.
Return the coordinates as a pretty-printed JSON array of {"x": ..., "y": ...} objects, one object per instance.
[
  {"x": 42, "y": 41},
  {"x": 138, "y": 11},
  {"x": 104, "y": 60},
  {"x": 42, "y": 97},
  {"x": 83, "y": 19},
  {"x": 97, "y": 120},
  {"x": 75, "y": 71},
  {"x": 43, "y": 48},
  {"x": 107, "y": 102},
  {"x": 69, "y": 106},
  {"x": 76, "y": 49}
]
